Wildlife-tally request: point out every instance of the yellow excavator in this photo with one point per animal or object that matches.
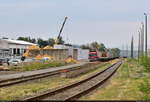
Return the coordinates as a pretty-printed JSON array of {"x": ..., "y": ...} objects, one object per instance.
[{"x": 33, "y": 47}]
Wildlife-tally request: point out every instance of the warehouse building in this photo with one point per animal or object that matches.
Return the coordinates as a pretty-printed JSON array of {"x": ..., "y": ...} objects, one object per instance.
[{"x": 13, "y": 47}]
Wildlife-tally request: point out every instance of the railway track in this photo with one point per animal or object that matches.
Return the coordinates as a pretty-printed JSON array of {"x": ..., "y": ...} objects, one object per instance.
[
  {"x": 77, "y": 89},
  {"x": 15, "y": 81}
]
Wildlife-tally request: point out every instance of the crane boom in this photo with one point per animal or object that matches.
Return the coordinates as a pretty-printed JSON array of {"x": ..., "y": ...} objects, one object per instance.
[{"x": 61, "y": 30}]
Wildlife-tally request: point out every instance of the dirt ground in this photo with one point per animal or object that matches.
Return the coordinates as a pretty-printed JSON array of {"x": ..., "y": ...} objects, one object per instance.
[{"x": 7, "y": 72}]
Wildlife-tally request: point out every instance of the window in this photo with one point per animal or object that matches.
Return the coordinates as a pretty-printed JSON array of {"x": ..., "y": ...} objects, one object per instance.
[{"x": 92, "y": 54}]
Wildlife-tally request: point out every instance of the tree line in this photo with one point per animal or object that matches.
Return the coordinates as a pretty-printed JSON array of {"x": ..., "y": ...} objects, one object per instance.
[
  {"x": 41, "y": 42},
  {"x": 51, "y": 41},
  {"x": 94, "y": 45},
  {"x": 100, "y": 47}
]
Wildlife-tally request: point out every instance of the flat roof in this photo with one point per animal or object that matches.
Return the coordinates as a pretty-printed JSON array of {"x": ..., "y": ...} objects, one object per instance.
[{"x": 19, "y": 42}]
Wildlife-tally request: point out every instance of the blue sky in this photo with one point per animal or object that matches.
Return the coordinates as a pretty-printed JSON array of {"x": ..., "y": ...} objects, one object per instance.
[{"x": 112, "y": 22}]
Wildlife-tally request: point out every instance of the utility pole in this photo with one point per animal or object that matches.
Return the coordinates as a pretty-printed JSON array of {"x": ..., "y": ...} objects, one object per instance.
[
  {"x": 123, "y": 50},
  {"x": 127, "y": 50},
  {"x": 139, "y": 47},
  {"x": 142, "y": 39},
  {"x": 132, "y": 47},
  {"x": 145, "y": 33}
]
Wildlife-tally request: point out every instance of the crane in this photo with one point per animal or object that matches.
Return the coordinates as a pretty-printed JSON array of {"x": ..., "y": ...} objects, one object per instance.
[
  {"x": 26, "y": 54},
  {"x": 57, "y": 39}
]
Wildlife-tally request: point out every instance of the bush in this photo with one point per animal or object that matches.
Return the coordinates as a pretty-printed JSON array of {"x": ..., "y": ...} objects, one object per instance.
[
  {"x": 145, "y": 61},
  {"x": 36, "y": 66},
  {"x": 145, "y": 89}
]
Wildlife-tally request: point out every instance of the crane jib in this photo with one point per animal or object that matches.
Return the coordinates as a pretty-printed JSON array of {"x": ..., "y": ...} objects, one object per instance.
[{"x": 62, "y": 27}]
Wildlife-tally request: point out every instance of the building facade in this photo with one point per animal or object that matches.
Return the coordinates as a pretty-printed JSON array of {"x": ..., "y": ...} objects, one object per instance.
[{"x": 13, "y": 47}]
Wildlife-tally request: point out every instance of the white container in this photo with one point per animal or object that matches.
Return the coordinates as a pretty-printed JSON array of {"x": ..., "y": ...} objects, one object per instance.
[{"x": 83, "y": 54}]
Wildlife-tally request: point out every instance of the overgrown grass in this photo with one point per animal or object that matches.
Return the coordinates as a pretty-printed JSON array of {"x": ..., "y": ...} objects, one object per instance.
[
  {"x": 36, "y": 66},
  {"x": 145, "y": 61},
  {"x": 145, "y": 89},
  {"x": 125, "y": 85},
  {"x": 12, "y": 93},
  {"x": 145, "y": 84}
]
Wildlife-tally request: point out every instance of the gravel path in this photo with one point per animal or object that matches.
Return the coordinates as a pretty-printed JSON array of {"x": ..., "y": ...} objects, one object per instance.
[{"x": 23, "y": 74}]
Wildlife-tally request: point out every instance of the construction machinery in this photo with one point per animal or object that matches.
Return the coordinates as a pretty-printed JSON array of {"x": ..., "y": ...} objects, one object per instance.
[
  {"x": 96, "y": 55},
  {"x": 69, "y": 59},
  {"x": 33, "y": 47},
  {"x": 57, "y": 39},
  {"x": 106, "y": 55}
]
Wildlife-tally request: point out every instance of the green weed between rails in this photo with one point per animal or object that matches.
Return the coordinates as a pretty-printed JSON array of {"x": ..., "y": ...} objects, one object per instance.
[{"x": 36, "y": 66}]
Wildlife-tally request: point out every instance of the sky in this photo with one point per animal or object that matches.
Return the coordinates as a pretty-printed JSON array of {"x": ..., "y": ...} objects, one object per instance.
[{"x": 112, "y": 22}]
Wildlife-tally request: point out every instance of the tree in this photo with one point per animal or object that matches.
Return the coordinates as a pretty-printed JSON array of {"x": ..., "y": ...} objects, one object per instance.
[
  {"x": 51, "y": 41},
  {"x": 116, "y": 51},
  {"x": 42, "y": 43},
  {"x": 28, "y": 39},
  {"x": 101, "y": 47},
  {"x": 86, "y": 46},
  {"x": 94, "y": 45}
]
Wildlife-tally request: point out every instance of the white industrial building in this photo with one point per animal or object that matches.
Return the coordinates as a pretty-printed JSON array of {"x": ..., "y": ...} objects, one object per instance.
[
  {"x": 18, "y": 47},
  {"x": 82, "y": 54},
  {"x": 13, "y": 47}
]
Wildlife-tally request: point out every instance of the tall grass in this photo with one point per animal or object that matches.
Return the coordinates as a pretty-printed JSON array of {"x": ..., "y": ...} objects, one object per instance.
[
  {"x": 36, "y": 66},
  {"x": 145, "y": 89},
  {"x": 144, "y": 86},
  {"x": 145, "y": 61}
]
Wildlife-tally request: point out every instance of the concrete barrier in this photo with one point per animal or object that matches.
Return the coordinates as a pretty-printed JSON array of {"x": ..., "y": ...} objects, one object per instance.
[{"x": 58, "y": 54}]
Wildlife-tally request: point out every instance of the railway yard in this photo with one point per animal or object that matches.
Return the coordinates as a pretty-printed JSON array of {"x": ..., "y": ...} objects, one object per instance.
[
  {"x": 21, "y": 86},
  {"x": 74, "y": 50},
  {"x": 113, "y": 79}
]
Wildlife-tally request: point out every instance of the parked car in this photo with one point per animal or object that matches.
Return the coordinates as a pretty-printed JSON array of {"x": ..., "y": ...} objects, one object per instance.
[
  {"x": 1, "y": 62},
  {"x": 15, "y": 62},
  {"x": 45, "y": 59},
  {"x": 4, "y": 60},
  {"x": 29, "y": 59}
]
